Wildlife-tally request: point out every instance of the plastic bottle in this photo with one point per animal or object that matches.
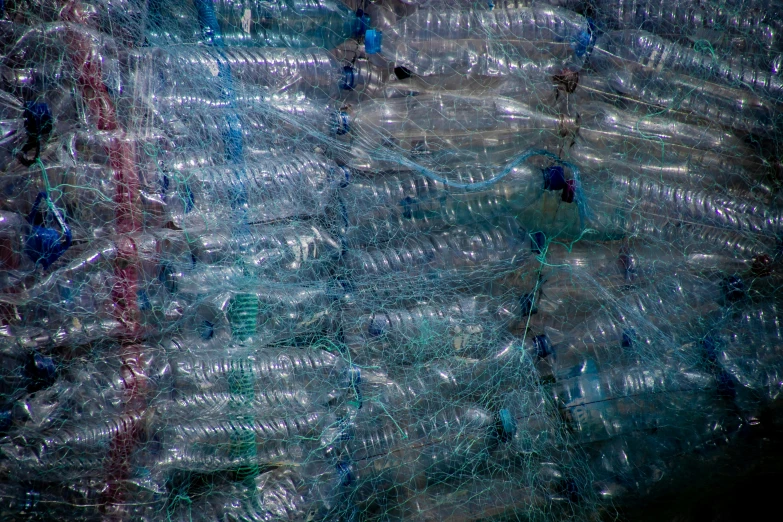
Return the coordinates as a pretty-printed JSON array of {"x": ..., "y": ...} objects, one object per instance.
[
  {"x": 205, "y": 367},
  {"x": 436, "y": 129},
  {"x": 602, "y": 406},
  {"x": 448, "y": 41},
  {"x": 282, "y": 187},
  {"x": 208, "y": 445},
  {"x": 705, "y": 171},
  {"x": 179, "y": 70},
  {"x": 288, "y": 23},
  {"x": 728, "y": 106},
  {"x": 315, "y": 494},
  {"x": 746, "y": 346},
  {"x": 625, "y": 48},
  {"x": 301, "y": 250},
  {"x": 452, "y": 255},
  {"x": 381, "y": 208},
  {"x": 468, "y": 328},
  {"x": 602, "y": 123},
  {"x": 701, "y": 21},
  {"x": 267, "y": 314},
  {"x": 65, "y": 452},
  {"x": 453, "y": 439}
]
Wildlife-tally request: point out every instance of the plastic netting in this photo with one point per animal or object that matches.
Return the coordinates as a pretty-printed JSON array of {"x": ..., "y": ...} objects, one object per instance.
[{"x": 436, "y": 260}]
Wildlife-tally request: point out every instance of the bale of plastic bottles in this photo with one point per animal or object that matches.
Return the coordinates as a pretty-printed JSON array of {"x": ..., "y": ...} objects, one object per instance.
[{"x": 385, "y": 260}]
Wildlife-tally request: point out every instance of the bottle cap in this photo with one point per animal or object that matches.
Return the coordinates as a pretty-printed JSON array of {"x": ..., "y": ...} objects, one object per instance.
[
  {"x": 542, "y": 345},
  {"x": 372, "y": 41},
  {"x": 341, "y": 123},
  {"x": 45, "y": 245},
  {"x": 348, "y": 80},
  {"x": 554, "y": 178}
]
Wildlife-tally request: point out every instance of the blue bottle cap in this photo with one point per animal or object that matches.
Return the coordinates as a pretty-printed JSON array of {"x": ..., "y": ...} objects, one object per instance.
[
  {"x": 543, "y": 346},
  {"x": 344, "y": 473},
  {"x": 341, "y": 123},
  {"x": 362, "y": 22},
  {"x": 372, "y": 41},
  {"x": 45, "y": 245},
  {"x": 734, "y": 288},
  {"x": 38, "y": 120},
  {"x": 537, "y": 242},
  {"x": 348, "y": 80},
  {"x": 554, "y": 178}
]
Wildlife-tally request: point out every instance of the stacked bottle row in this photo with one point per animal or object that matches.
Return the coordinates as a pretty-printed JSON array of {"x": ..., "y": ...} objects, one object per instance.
[{"x": 287, "y": 261}]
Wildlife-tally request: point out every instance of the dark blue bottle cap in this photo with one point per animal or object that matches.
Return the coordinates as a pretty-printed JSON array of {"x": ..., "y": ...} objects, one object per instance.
[
  {"x": 341, "y": 123},
  {"x": 527, "y": 305},
  {"x": 354, "y": 374},
  {"x": 734, "y": 288},
  {"x": 372, "y": 41},
  {"x": 584, "y": 42},
  {"x": 38, "y": 120},
  {"x": 45, "y": 245},
  {"x": 344, "y": 473},
  {"x": 629, "y": 337},
  {"x": 542, "y": 345},
  {"x": 537, "y": 242},
  {"x": 377, "y": 325},
  {"x": 362, "y": 22},
  {"x": 407, "y": 204},
  {"x": 348, "y": 79},
  {"x": 554, "y": 178},
  {"x": 508, "y": 423},
  {"x": 42, "y": 367}
]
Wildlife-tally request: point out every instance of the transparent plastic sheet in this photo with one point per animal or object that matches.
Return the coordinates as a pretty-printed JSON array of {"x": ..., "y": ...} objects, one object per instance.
[{"x": 384, "y": 260}]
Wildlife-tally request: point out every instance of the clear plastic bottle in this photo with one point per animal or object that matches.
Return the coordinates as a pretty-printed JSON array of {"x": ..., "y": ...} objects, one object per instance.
[
  {"x": 469, "y": 328},
  {"x": 746, "y": 346},
  {"x": 603, "y": 123},
  {"x": 453, "y": 255},
  {"x": 602, "y": 406},
  {"x": 381, "y": 208},
  {"x": 298, "y": 251},
  {"x": 266, "y": 313},
  {"x": 287, "y": 23},
  {"x": 291, "y": 186},
  {"x": 204, "y": 366},
  {"x": 699, "y": 21},
  {"x": 435, "y": 41},
  {"x": 200, "y": 71},
  {"x": 728, "y": 106},
  {"x": 645, "y": 50},
  {"x": 435, "y": 129}
]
